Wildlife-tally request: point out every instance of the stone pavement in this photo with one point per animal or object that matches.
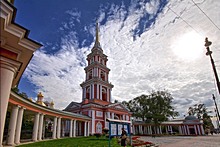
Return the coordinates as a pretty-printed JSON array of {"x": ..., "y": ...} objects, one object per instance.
[{"x": 185, "y": 141}]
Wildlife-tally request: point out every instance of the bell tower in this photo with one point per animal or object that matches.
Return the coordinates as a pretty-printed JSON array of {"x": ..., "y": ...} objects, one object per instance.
[{"x": 96, "y": 87}]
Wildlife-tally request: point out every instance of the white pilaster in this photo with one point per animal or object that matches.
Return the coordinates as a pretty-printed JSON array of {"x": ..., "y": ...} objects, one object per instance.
[
  {"x": 40, "y": 126},
  {"x": 12, "y": 125},
  {"x": 8, "y": 68},
  {"x": 18, "y": 127},
  {"x": 54, "y": 128},
  {"x": 93, "y": 121},
  {"x": 71, "y": 128},
  {"x": 35, "y": 129}
]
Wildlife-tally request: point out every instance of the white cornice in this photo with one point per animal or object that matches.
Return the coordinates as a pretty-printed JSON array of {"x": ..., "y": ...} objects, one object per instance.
[{"x": 7, "y": 15}]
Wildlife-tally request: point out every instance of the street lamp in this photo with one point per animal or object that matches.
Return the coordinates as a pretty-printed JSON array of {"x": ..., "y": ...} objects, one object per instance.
[
  {"x": 216, "y": 107},
  {"x": 209, "y": 53}
]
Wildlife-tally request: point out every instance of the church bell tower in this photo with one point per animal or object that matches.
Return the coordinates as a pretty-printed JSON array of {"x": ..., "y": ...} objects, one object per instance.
[{"x": 96, "y": 87}]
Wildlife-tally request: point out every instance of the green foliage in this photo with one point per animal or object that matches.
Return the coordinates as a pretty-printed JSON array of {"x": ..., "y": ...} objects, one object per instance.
[
  {"x": 201, "y": 112},
  {"x": 22, "y": 94},
  {"x": 155, "y": 107}
]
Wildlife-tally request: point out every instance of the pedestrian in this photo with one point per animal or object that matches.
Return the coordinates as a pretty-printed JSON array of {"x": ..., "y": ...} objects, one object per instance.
[{"x": 123, "y": 137}]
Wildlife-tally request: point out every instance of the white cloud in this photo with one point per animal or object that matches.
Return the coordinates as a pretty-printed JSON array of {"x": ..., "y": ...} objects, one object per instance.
[{"x": 137, "y": 66}]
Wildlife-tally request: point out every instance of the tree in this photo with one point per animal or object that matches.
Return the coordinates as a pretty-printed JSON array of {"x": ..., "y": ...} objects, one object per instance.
[
  {"x": 155, "y": 107},
  {"x": 201, "y": 112}
]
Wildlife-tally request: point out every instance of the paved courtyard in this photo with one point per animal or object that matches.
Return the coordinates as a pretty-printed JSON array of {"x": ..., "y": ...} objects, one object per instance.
[{"x": 185, "y": 141}]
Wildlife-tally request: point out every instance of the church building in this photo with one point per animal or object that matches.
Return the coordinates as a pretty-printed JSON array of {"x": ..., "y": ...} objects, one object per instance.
[{"x": 96, "y": 92}]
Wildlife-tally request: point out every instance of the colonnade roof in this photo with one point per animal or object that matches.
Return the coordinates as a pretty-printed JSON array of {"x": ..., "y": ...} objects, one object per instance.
[{"x": 32, "y": 106}]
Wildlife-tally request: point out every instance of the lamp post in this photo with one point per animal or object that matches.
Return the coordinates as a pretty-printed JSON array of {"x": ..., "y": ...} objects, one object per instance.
[
  {"x": 209, "y": 53},
  {"x": 216, "y": 107}
]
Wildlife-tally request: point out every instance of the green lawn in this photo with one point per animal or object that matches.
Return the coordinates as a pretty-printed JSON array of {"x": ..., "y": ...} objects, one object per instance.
[{"x": 75, "y": 142}]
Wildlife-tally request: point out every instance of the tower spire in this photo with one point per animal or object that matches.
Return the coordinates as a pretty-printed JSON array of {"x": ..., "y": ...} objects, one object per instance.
[{"x": 97, "y": 43}]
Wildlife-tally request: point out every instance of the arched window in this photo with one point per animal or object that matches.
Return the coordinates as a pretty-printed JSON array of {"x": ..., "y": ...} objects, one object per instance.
[
  {"x": 99, "y": 127},
  {"x": 104, "y": 94},
  {"x": 90, "y": 74},
  {"x": 103, "y": 75},
  {"x": 88, "y": 92}
]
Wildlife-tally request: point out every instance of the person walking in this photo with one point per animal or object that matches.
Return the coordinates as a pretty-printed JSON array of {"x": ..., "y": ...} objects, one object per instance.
[{"x": 123, "y": 137}]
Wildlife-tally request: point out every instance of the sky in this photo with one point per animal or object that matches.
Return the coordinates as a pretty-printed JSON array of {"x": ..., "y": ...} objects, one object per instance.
[{"x": 151, "y": 45}]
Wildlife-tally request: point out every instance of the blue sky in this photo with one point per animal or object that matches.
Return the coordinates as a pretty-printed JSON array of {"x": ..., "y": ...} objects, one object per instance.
[{"x": 150, "y": 44}]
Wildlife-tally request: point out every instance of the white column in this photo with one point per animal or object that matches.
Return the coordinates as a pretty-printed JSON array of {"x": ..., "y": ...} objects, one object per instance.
[
  {"x": 97, "y": 91},
  {"x": 74, "y": 128},
  {"x": 110, "y": 96},
  {"x": 8, "y": 68},
  {"x": 35, "y": 129},
  {"x": 195, "y": 128},
  {"x": 180, "y": 130},
  {"x": 85, "y": 128},
  {"x": 18, "y": 127},
  {"x": 40, "y": 126},
  {"x": 113, "y": 114},
  {"x": 88, "y": 128},
  {"x": 93, "y": 91},
  {"x": 100, "y": 92},
  {"x": 58, "y": 127},
  {"x": 150, "y": 130},
  {"x": 108, "y": 115},
  {"x": 107, "y": 91},
  {"x": 199, "y": 133},
  {"x": 160, "y": 130},
  {"x": 71, "y": 128},
  {"x": 171, "y": 129},
  {"x": 188, "y": 130},
  {"x": 184, "y": 130},
  {"x": 54, "y": 127},
  {"x": 202, "y": 129},
  {"x": 93, "y": 121},
  {"x": 84, "y": 92},
  {"x": 83, "y": 96},
  {"x": 12, "y": 125}
]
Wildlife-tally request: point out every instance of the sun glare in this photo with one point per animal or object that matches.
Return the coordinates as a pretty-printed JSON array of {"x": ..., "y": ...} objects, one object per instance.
[{"x": 189, "y": 46}]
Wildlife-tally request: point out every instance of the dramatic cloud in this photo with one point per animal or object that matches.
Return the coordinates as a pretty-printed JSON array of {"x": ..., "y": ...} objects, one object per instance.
[{"x": 155, "y": 54}]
